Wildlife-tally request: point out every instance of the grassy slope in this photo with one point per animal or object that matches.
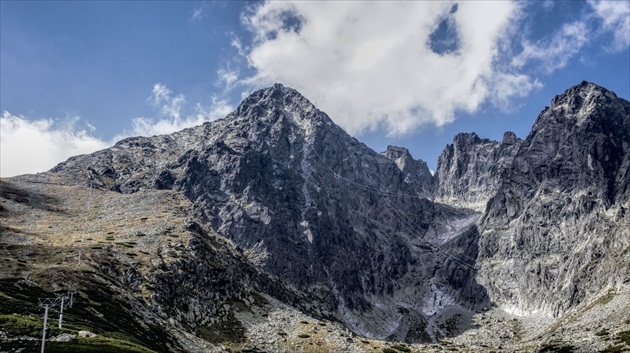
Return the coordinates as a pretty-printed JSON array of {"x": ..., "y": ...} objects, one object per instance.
[{"x": 44, "y": 228}]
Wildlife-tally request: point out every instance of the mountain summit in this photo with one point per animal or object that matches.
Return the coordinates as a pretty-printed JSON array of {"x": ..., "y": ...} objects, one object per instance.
[
  {"x": 244, "y": 224},
  {"x": 310, "y": 205},
  {"x": 565, "y": 197}
]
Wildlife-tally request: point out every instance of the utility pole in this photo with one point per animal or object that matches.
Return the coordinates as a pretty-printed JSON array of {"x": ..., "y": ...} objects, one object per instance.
[
  {"x": 47, "y": 303},
  {"x": 45, "y": 323},
  {"x": 61, "y": 311}
]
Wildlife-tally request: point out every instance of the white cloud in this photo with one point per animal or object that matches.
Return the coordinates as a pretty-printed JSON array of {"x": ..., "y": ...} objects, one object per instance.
[
  {"x": 227, "y": 77},
  {"x": 506, "y": 87},
  {"x": 171, "y": 115},
  {"x": 370, "y": 64},
  {"x": 197, "y": 13},
  {"x": 200, "y": 12},
  {"x": 169, "y": 105},
  {"x": 554, "y": 53},
  {"x": 31, "y": 146},
  {"x": 615, "y": 17}
]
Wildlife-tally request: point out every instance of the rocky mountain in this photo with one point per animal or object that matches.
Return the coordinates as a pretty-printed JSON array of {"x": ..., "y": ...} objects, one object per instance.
[
  {"x": 470, "y": 169},
  {"x": 275, "y": 222},
  {"x": 557, "y": 232},
  {"x": 416, "y": 172},
  {"x": 310, "y": 205}
]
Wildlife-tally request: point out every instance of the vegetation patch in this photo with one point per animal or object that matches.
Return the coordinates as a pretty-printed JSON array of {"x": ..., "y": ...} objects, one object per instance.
[
  {"x": 401, "y": 348},
  {"x": 603, "y": 332},
  {"x": 229, "y": 331},
  {"x": 96, "y": 309},
  {"x": 554, "y": 348},
  {"x": 94, "y": 345},
  {"x": 624, "y": 337},
  {"x": 615, "y": 349}
]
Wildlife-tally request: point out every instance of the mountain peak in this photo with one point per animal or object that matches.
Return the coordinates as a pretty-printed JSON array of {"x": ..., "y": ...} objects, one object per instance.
[
  {"x": 510, "y": 138},
  {"x": 416, "y": 172},
  {"x": 394, "y": 152},
  {"x": 279, "y": 101},
  {"x": 278, "y": 95},
  {"x": 581, "y": 102}
]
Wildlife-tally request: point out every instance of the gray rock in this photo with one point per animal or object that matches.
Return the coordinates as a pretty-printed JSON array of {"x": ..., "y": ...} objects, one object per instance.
[
  {"x": 557, "y": 232},
  {"x": 324, "y": 224},
  {"x": 308, "y": 204},
  {"x": 415, "y": 172},
  {"x": 87, "y": 334},
  {"x": 469, "y": 170},
  {"x": 64, "y": 337}
]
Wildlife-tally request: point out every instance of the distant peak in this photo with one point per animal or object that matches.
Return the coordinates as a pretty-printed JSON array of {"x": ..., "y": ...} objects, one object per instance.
[
  {"x": 277, "y": 95},
  {"x": 466, "y": 138},
  {"x": 277, "y": 86},
  {"x": 394, "y": 152},
  {"x": 276, "y": 91},
  {"x": 281, "y": 102},
  {"x": 581, "y": 102},
  {"x": 509, "y": 138},
  {"x": 581, "y": 93}
]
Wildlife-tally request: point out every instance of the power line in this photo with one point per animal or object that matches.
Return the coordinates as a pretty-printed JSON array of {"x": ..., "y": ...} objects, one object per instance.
[{"x": 63, "y": 301}]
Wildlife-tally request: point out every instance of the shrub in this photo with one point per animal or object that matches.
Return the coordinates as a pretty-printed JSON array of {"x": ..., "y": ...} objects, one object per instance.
[
  {"x": 401, "y": 348},
  {"x": 603, "y": 332}
]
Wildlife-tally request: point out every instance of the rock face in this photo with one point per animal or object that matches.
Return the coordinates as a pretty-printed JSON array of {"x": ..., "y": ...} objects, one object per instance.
[
  {"x": 469, "y": 170},
  {"x": 312, "y": 206},
  {"x": 557, "y": 232},
  {"x": 319, "y": 222},
  {"x": 415, "y": 172}
]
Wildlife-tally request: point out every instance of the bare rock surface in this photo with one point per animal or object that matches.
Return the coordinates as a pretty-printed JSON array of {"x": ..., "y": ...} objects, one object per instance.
[
  {"x": 557, "y": 232},
  {"x": 274, "y": 230},
  {"x": 312, "y": 206},
  {"x": 469, "y": 170}
]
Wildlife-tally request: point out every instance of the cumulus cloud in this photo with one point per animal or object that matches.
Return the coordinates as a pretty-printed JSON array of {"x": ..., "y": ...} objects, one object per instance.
[
  {"x": 30, "y": 146},
  {"x": 615, "y": 17},
  {"x": 398, "y": 66},
  {"x": 385, "y": 65}
]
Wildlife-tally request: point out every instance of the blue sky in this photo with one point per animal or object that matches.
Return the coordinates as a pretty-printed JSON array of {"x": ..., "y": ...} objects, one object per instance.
[{"x": 77, "y": 76}]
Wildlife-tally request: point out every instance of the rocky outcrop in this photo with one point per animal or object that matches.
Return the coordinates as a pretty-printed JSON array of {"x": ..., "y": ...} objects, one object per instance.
[
  {"x": 557, "y": 232},
  {"x": 415, "y": 172},
  {"x": 469, "y": 170}
]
